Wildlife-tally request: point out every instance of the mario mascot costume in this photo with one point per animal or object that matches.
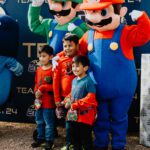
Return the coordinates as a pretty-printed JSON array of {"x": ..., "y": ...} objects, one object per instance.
[
  {"x": 8, "y": 53},
  {"x": 110, "y": 50},
  {"x": 54, "y": 30}
]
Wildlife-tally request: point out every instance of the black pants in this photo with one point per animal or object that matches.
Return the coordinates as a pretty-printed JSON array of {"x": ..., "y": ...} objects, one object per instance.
[{"x": 81, "y": 136}]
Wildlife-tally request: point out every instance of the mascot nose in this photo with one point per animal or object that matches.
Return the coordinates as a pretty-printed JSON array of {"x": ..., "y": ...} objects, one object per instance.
[
  {"x": 93, "y": 18},
  {"x": 56, "y": 7}
]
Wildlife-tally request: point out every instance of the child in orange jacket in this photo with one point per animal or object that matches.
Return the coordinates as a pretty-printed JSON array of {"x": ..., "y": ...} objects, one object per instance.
[
  {"x": 63, "y": 75},
  {"x": 82, "y": 103}
]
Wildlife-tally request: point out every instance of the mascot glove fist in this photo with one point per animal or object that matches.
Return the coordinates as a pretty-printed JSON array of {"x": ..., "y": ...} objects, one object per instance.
[
  {"x": 18, "y": 70},
  {"x": 37, "y": 3},
  {"x": 54, "y": 62},
  {"x": 71, "y": 27},
  {"x": 135, "y": 14}
]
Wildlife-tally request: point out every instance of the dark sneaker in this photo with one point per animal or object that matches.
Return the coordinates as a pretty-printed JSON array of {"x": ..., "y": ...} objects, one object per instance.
[
  {"x": 102, "y": 148},
  {"x": 119, "y": 149},
  {"x": 67, "y": 147},
  {"x": 37, "y": 143},
  {"x": 49, "y": 145}
]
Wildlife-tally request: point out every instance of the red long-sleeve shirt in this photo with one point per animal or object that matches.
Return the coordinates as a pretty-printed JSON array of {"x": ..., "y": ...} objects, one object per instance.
[
  {"x": 43, "y": 83},
  {"x": 89, "y": 104},
  {"x": 63, "y": 77}
]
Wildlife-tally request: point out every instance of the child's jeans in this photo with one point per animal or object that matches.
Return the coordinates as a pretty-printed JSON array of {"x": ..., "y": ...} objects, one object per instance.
[
  {"x": 67, "y": 133},
  {"x": 45, "y": 120},
  {"x": 61, "y": 113},
  {"x": 67, "y": 125}
]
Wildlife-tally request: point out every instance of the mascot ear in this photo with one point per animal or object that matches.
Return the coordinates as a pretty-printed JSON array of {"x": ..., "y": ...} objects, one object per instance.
[
  {"x": 123, "y": 11},
  {"x": 2, "y": 11}
]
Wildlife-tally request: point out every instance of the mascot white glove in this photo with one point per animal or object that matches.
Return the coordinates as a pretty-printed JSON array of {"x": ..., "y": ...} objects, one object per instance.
[
  {"x": 37, "y": 3},
  {"x": 135, "y": 14},
  {"x": 71, "y": 27},
  {"x": 54, "y": 62}
]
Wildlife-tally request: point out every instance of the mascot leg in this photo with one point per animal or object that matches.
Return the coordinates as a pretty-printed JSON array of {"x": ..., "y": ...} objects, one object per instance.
[
  {"x": 119, "y": 124},
  {"x": 5, "y": 85},
  {"x": 102, "y": 126}
]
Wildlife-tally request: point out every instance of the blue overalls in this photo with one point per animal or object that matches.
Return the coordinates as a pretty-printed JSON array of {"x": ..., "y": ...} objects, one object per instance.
[
  {"x": 57, "y": 35},
  {"x": 116, "y": 82}
]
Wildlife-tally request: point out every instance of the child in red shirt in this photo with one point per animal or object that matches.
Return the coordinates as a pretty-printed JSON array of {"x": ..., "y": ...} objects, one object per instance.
[
  {"x": 44, "y": 103},
  {"x": 63, "y": 75}
]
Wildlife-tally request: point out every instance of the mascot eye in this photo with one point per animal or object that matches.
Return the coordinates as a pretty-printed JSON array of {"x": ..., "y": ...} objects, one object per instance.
[
  {"x": 63, "y": 4},
  {"x": 104, "y": 12}
]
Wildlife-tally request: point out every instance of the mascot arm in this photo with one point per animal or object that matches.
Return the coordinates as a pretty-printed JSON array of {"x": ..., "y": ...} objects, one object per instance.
[
  {"x": 14, "y": 66},
  {"x": 80, "y": 30},
  {"x": 86, "y": 102},
  {"x": 56, "y": 84},
  {"x": 137, "y": 35},
  {"x": 83, "y": 45},
  {"x": 36, "y": 25},
  {"x": 84, "y": 27}
]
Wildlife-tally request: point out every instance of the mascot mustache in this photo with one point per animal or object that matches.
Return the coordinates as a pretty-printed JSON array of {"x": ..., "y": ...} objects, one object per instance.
[
  {"x": 60, "y": 13},
  {"x": 101, "y": 23}
]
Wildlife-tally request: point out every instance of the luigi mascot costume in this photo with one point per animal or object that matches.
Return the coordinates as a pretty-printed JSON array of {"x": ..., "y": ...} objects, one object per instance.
[
  {"x": 64, "y": 12},
  {"x": 109, "y": 46},
  {"x": 8, "y": 53}
]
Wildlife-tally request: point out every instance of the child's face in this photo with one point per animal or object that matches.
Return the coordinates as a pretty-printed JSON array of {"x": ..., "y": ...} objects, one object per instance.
[
  {"x": 45, "y": 58},
  {"x": 79, "y": 70},
  {"x": 70, "y": 48}
]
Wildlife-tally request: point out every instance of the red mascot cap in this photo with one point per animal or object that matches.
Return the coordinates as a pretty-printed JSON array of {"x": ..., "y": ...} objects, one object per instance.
[{"x": 98, "y": 4}]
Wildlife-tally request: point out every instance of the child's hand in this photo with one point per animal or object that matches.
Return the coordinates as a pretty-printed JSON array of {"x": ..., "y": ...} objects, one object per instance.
[
  {"x": 59, "y": 112},
  {"x": 38, "y": 94},
  {"x": 67, "y": 105},
  {"x": 58, "y": 104},
  {"x": 71, "y": 107},
  {"x": 62, "y": 103}
]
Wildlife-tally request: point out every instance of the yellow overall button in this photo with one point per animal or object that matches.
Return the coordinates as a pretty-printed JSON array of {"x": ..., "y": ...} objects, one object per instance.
[
  {"x": 114, "y": 46},
  {"x": 50, "y": 34},
  {"x": 90, "y": 47}
]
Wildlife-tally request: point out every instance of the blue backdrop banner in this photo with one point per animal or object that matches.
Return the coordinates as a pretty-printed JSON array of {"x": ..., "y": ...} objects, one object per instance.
[{"x": 19, "y": 107}]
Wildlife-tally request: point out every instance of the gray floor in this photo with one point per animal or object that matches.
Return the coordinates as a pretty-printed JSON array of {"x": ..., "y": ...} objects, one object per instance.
[{"x": 15, "y": 136}]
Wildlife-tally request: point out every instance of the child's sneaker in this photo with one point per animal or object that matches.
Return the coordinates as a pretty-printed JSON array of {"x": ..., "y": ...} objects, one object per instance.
[
  {"x": 37, "y": 143},
  {"x": 49, "y": 145},
  {"x": 67, "y": 147}
]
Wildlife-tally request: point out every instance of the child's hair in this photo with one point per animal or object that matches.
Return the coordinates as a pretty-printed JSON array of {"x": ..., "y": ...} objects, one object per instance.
[
  {"x": 46, "y": 49},
  {"x": 81, "y": 59},
  {"x": 71, "y": 37}
]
